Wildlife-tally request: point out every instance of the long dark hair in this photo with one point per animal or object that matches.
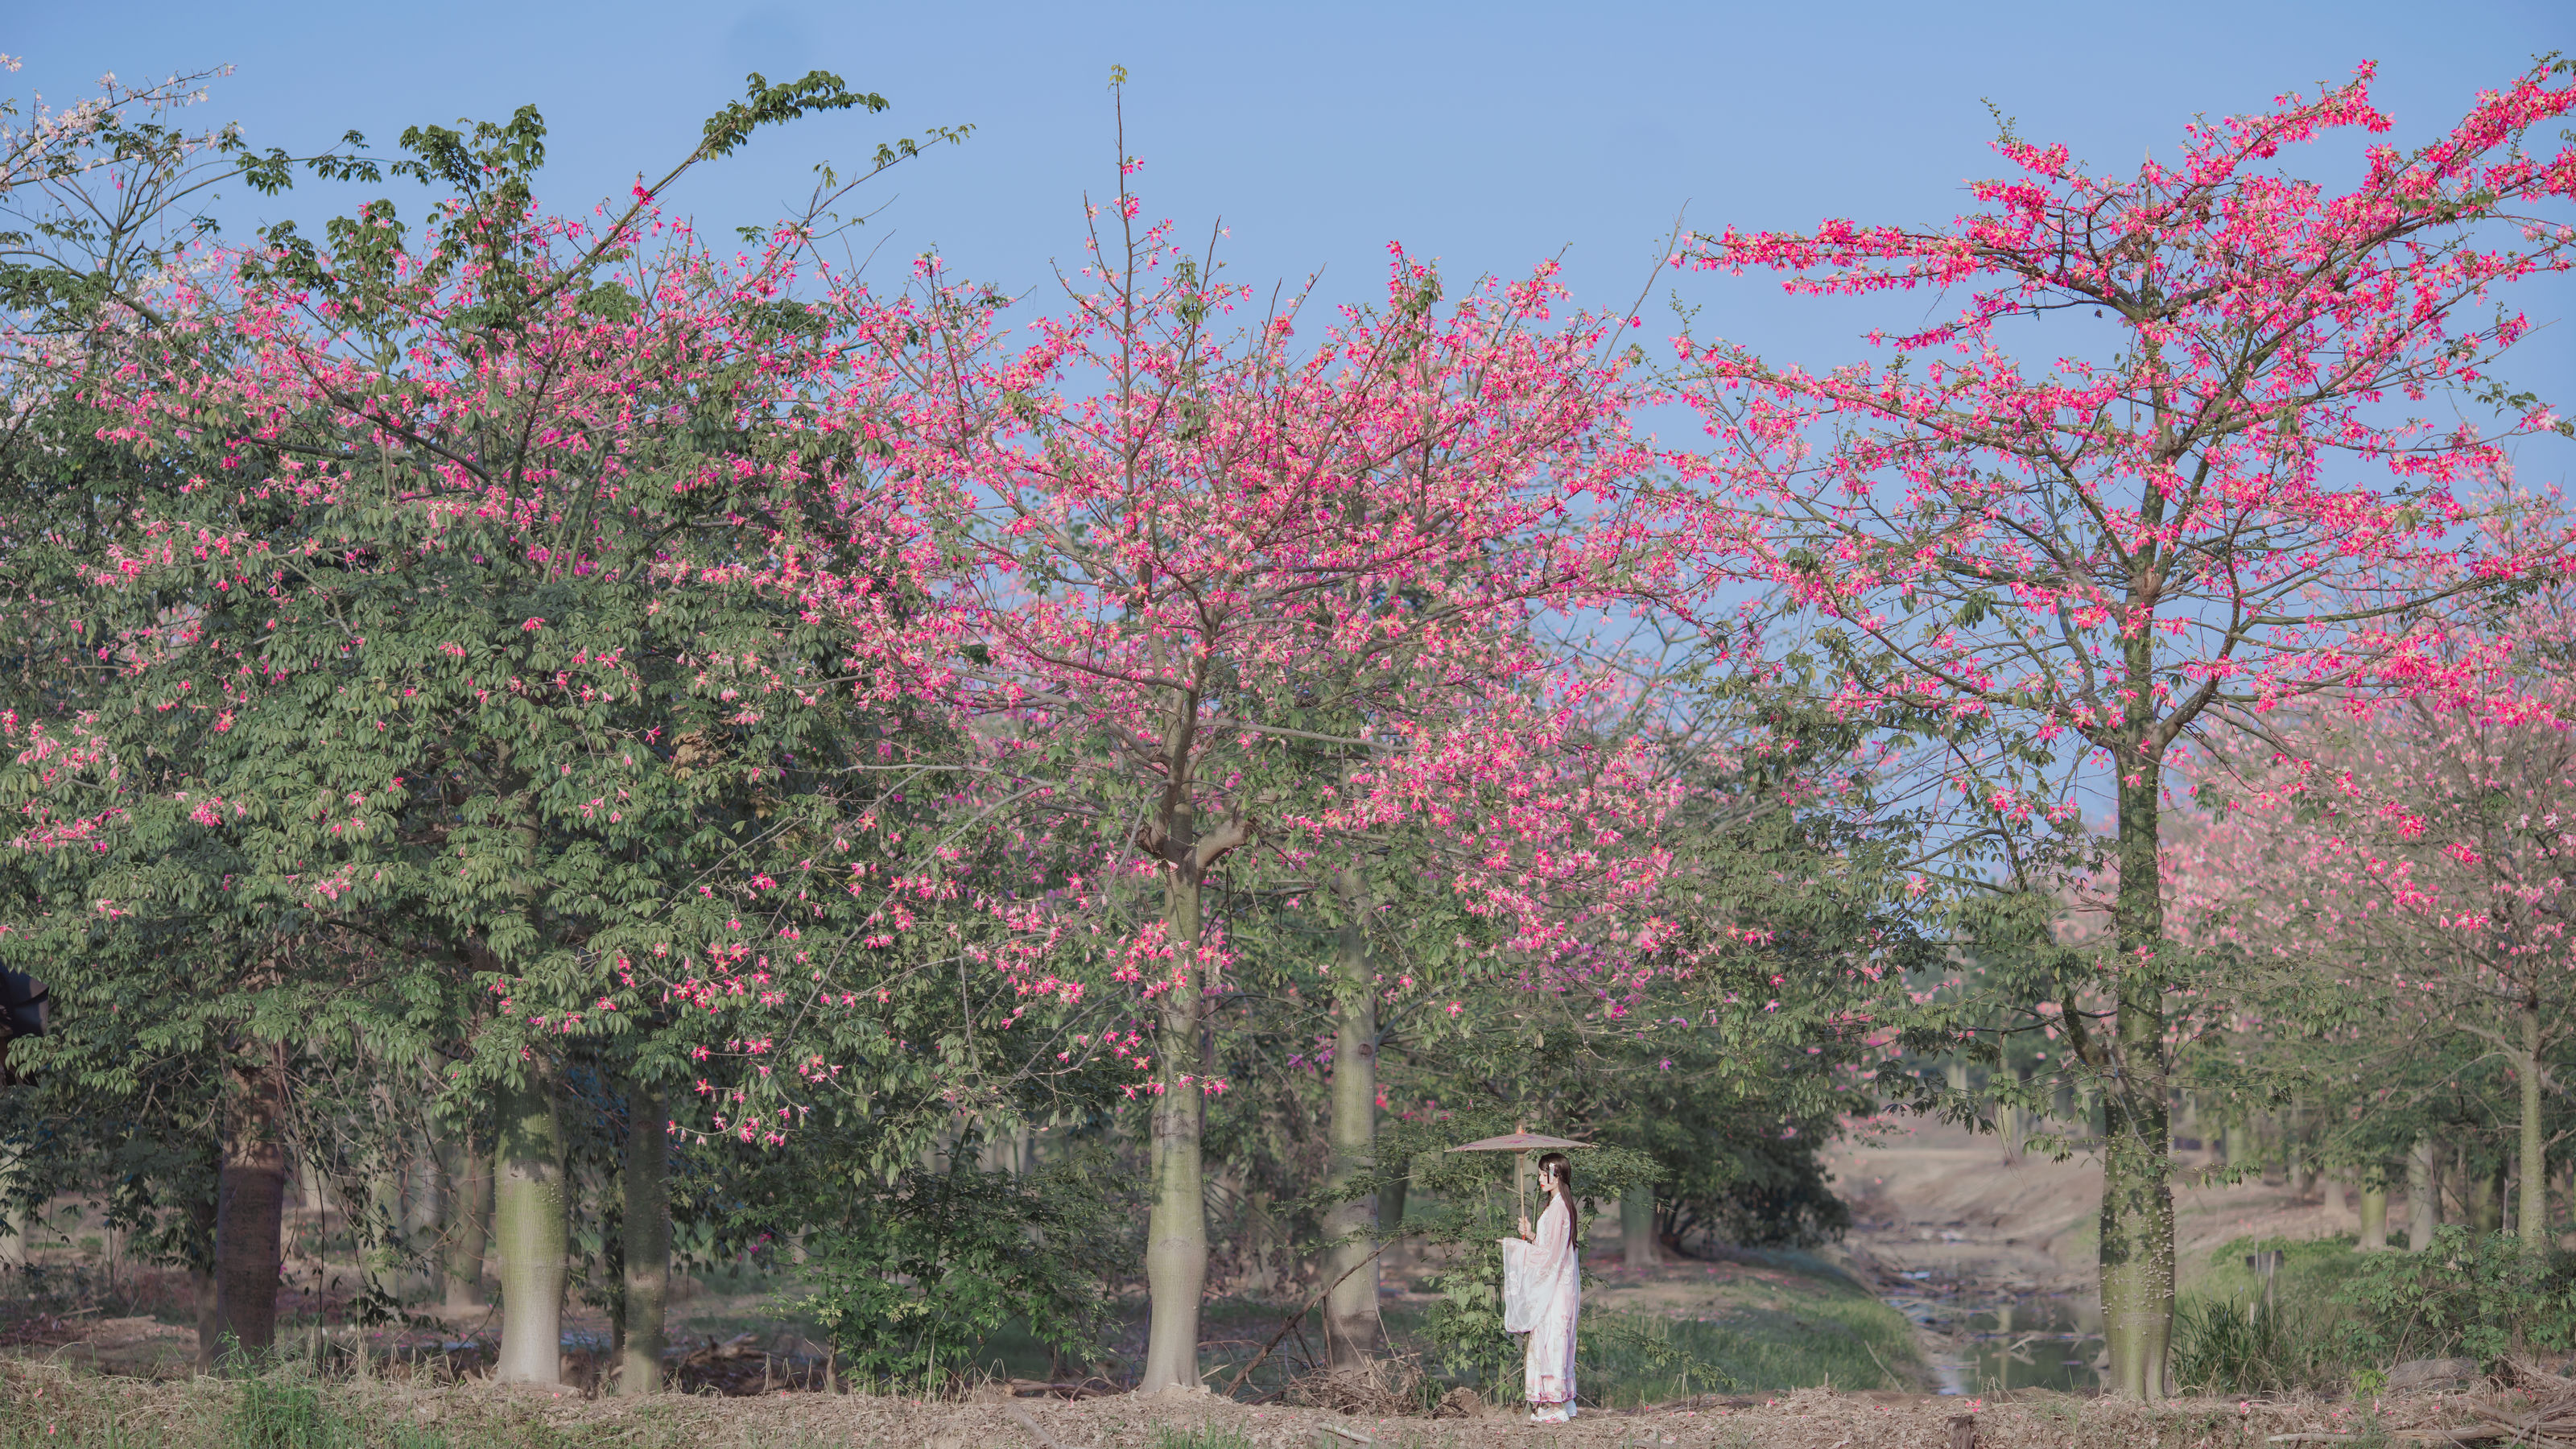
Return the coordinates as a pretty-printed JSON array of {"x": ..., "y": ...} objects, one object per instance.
[{"x": 1555, "y": 1167}]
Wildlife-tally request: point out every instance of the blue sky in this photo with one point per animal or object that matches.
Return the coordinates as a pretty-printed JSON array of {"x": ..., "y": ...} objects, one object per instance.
[{"x": 1489, "y": 135}]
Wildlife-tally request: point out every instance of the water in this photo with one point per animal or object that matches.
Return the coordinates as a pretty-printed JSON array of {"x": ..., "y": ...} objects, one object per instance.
[{"x": 1990, "y": 1338}]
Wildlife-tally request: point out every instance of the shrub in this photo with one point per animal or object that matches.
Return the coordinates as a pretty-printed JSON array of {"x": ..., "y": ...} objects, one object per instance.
[
  {"x": 912, "y": 1281},
  {"x": 2243, "y": 1346},
  {"x": 2468, "y": 1296}
]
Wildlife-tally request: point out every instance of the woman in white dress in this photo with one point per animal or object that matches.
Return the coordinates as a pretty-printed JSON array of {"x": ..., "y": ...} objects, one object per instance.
[{"x": 1549, "y": 1288}]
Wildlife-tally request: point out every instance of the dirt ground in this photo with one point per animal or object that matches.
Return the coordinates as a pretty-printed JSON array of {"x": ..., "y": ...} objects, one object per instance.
[
  {"x": 83, "y": 1409},
  {"x": 1934, "y": 1196}
]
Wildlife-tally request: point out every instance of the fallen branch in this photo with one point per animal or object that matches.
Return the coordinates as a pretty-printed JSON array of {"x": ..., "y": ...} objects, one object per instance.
[
  {"x": 1295, "y": 1319},
  {"x": 1036, "y": 1430}
]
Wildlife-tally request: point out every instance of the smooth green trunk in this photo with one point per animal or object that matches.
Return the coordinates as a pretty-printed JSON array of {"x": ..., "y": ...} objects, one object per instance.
[
  {"x": 467, "y": 1206},
  {"x": 2137, "y": 1252},
  {"x": 1637, "y": 1228},
  {"x": 2374, "y": 1217},
  {"x": 1353, "y": 1335},
  {"x": 1176, "y": 1248},
  {"x": 2485, "y": 1207},
  {"x": 2423, "y": 1195},
  {"x": 530, "y": 1228},
  {"x": 647, "y": 1222}
]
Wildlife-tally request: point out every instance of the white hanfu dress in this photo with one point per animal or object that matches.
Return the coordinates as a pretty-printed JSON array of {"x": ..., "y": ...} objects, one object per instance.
[{"x": 1542, "y": 1296}]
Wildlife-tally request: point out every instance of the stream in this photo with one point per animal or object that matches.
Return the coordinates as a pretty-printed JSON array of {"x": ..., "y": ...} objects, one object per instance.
[{"x": 1982, "y": 1338}]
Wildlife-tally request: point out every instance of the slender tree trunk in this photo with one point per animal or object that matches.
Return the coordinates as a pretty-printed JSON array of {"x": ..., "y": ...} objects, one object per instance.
[
  {"x": 2240, "y": 1143},
  {"x": 2423, "y": 1195},
  {"x": 468, "y": 1206},
  {"x": 2014, "y": 1121},
  {"x": 531, "y": 1235},
  {"x": 201, "y": 1268},
  {"x": 1390, "y": 1220},
  {"x": 250, "y": 1206},
  {"x": 2534, "y": 1145},
  {"x": 2478, "y": 1205},
  {"x": 18, "y": 1220},
  {"x": 1637, "y": 1228},
  {"x": 1176, "y": 1248},
  {"x": 2137, "y": 1253},
  {"x": 648, "y": 1242},
  {"x": 2374, "y": 1216},
  {"x": 2330, "y": 1191},
  {"x": 1352, "y": 1331}
]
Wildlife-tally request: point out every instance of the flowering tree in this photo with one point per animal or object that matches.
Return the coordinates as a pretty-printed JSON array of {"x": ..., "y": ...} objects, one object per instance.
[
  {"x": 2419, "y": 850},
  {"x": 1231, "y": 607},
  {"x": 2213, "y": 497},
  {"x": 478, "y": 621}
]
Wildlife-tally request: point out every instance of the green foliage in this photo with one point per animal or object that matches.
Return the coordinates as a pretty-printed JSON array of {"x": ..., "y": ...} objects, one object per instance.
[
  {"x": 2338, "y": 1315},
  {"x": 2468, "y": 1296},
  {"x": 1848, "y": 1339},
  {"x": 2229, "y": 1346},
  {"x": 913, "y": 1281},
  {"x": 275, "y": 1413}
]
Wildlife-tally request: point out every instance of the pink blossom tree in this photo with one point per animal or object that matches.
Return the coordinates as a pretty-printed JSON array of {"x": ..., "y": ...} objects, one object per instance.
[
  {"x": 2207, "y": 483},
  {"x": 2417, "y": 853},
  {"x": 1231, "y": 605}
]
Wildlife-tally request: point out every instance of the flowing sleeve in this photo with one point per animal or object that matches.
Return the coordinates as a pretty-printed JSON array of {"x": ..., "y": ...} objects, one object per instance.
[
  {"x": 1522, "y": 1291},
  {"x": 1553, "y": 1248}
]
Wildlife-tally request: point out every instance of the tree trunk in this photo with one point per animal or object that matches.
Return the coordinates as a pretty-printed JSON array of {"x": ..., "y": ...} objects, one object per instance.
[
  {"x": 13, "y": 1213},
  {"x": 2137, "y": 1253},
  {"x": 1637, "y": 1228},
  {"x": 2423, "y": 1195},
  {"x": 201, "y": 1267},
  {"x": 467, "y": 1203},
  {"x": 2240, "y": 1143},
  {"x": 2478, "y": 1206},
  {"x": 2330, "y": 1189},
  {"x": 648, "y": 1242},
  {"x": 1352, "y": 1333},
  {"x": 2534, "y": 1144},
  {"x": 1176, "y": 1228},
  {"x": 2374, "y": 1216},
  {"x": 250, "y": 1205},
  {"x": 531, "y": 1235},
  {"x": 2014, "y": 1121}
]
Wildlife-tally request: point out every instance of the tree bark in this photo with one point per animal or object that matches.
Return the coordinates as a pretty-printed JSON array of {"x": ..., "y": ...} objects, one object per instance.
[
  {"x": 2534, "y": 1146},
  {"x": 201, "y": 1266},
  {"x": 2330, "y": 1193},
  {"x": 1353, "y": 1334},
  {"x": 2137, "y": 1253},
  {"x": 647, "y": 1223},
  {"x": 531, "y": 1230},
  {"x": 1176, "y": 1227},
  {"x": 2374, "y": 1216},
  {"x": 250, "y": 1205},
  {"x": 467, "y": 1203},
  {"x": 1390, "y": 1218},
  {"x": 1637, "y": 1228},
  {"x": 2423, "y": 1195}
]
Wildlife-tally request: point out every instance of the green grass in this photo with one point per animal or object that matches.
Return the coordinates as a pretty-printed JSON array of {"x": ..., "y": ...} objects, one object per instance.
[
  {"x": 1212, "y": 1437},
  {"x": 2227, "y": 1341},
  {"x": 1632, "y": 1359}
]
